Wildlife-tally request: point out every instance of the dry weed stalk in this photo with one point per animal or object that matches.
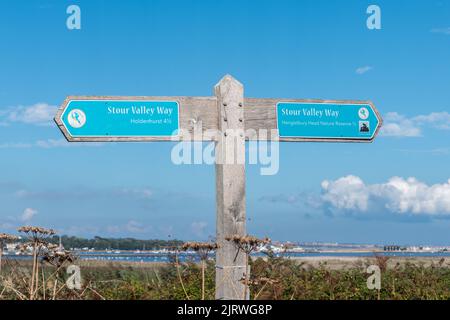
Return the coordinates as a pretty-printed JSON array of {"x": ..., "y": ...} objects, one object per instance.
[
  {"x": 4, "y": 239},
  {"x": 247, "y": 244},
  {"x": 37, "y": 239},
  {"x": 56, "y": 257},
  {"x": 264, "y": 282},
  {"x": 382, "y": 262},
  {"x": 176, "y": 250},
  {"x": 203, "y": 249}
]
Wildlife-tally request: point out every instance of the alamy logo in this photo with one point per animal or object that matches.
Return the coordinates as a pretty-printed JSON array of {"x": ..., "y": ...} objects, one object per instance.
[
  {"x": 74, "y": 280},
  {"x": 374, "y": 280},
  {"x": 73, "y": 22},
  {"x": 228, "y": 147},
  {"x": 374, "y": 20}
]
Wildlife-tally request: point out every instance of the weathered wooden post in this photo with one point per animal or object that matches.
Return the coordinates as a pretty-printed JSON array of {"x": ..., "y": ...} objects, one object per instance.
[
  {"x": 122, "y": 118},
  {"x": 230, "y": 188}
]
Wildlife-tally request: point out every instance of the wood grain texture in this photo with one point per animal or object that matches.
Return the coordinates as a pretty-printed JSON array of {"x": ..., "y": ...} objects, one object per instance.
[{"x": 230, "y": 192}]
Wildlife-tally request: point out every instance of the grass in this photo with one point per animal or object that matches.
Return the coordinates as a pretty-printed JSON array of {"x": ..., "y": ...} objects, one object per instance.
[
  {"x": 271, "y": 278},
  {"x": 45, "y": 277}
]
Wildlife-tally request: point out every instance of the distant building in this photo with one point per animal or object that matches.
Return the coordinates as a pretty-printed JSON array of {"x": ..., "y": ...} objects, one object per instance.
[
  {"x": 391, "y": 248},
  {"x": 12, "y": 247}
]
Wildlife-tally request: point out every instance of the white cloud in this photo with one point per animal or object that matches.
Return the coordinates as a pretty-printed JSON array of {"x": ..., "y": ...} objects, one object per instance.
[
  {"x": 434, "y": 151},
  {"x": 136, "y": 227},
  {"x": 364, "y": 69},
  {"x": 28, "y": 214},
  {"x": 63, "y": 143},
  {"x": 397, "y": 195},
  {"x": 52, "y": 143},
  {"x": 439, "y": 120},
  {"x": 445, "y": 31},
  {"x": 15, "y": 145},
  {"x": 345, "y": 193},
  {"x": 7, "y": 226},
  {"x": 132, "y": 226},
  {"x": 143, "y": 193},
  {"x": 198, "y": 228},
  {"x": 38, "y": 114},
  {"x": 397, "y": 125},
  {"x": 140, "y": 193},
  {"x": 78, "y": 230},
  {"x": 400, "y": 130},
  {"x": 48, "y": 144},
  {"x": 113, "y": 229}
]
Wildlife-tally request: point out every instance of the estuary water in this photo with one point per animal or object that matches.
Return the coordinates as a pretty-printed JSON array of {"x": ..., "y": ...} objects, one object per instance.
[{"x": 183, "y": 257}]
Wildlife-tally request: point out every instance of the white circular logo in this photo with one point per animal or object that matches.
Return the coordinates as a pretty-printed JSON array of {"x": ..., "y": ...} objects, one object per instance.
[
  {"x": 363, "y": 113},
  {"x": 76, "y": 118}
]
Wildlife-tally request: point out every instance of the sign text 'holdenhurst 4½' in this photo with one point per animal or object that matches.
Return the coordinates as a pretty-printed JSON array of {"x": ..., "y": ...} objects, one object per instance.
[{"x": 121, "y": 118}]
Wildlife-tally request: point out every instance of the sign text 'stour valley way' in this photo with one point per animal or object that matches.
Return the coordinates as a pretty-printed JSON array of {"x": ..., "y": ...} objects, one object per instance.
[
  {"x": 120, "y": 118},
  {"x": 322, "y": 120}
]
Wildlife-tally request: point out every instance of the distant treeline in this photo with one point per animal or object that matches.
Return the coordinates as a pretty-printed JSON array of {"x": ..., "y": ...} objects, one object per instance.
[{"x": 99, "y": 243}]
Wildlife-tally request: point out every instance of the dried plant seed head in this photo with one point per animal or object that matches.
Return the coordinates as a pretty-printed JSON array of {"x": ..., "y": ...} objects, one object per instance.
[
  {"x": 36, "y": 230},
  {"x": 250, "y": 240},
  {"x": 247, "y": 243},
  {"x": 4, "y": 237},
  {"x": 197, "y": 246},
  {"x": 201, "y": 248}
]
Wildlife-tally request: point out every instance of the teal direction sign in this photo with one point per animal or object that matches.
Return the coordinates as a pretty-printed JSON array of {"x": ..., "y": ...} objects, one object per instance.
[
  {"x": 130, "y": 119},
  {"x": 328, "y": 121}
]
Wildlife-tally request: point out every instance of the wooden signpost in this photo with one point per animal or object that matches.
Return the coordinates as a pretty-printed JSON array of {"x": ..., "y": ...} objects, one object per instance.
[{"x": 114, "y": 119}]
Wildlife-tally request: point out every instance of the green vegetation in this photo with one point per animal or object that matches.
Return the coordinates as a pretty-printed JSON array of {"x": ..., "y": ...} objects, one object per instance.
[
  {"x": 272, "y": 278},
  {"x": 99, "y": 243},
  {"x": 47, "y": 276},
  {"x": 403, "y": 281}
]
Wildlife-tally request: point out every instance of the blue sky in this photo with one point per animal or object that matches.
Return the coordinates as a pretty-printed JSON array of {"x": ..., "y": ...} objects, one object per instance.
[{"x": 395, "y": 190}]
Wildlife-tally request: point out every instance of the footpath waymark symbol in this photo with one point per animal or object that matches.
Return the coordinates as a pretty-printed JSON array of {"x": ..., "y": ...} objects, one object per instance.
[
  {"x": 212, "y": 119},
  {"x": 363, "y": 113},
  {"x": 76, "y": 118}
]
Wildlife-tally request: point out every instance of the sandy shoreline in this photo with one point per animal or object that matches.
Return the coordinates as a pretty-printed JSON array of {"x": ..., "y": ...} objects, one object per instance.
[
  {"x": 351, "y": 262},
  {"x": 334, "y": 263},
  {"x": 329, "y": 262}
]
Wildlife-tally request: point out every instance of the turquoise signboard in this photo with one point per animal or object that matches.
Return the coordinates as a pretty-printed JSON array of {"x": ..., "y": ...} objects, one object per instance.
[
  {"x": 120, "y": 118},
  {"x": 324, "y": 120}
]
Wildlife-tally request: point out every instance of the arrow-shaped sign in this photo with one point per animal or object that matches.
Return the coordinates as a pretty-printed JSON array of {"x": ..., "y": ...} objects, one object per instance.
[
  {"x": 115, "y": 118},
  {"x": 328, "y": 120}
]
